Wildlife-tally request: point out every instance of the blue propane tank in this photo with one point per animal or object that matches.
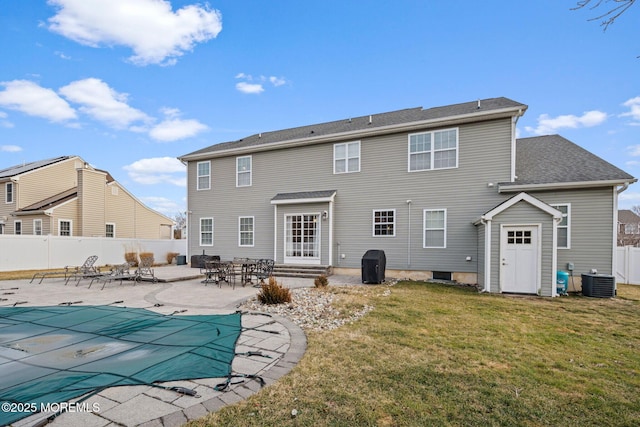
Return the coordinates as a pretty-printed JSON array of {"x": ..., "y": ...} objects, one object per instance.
[{"x": 562, "y": 282}]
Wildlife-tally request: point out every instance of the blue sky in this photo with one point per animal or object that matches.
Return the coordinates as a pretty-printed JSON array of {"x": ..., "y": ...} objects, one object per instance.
[{"x": 130, "y": 85}]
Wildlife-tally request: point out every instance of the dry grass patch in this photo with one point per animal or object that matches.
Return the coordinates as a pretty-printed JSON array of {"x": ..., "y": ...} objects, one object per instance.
[{"x": 440, "y": 355}]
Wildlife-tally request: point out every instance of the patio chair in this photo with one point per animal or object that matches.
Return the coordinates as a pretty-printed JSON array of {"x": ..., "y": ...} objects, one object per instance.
[
  {"x": 86, "y": 271},
  {"x": 87, "y": 267},
  {"x": 119, "y": 272},
  {"x": 264, "y": 269},
  {"x": 144, "y": 270}
]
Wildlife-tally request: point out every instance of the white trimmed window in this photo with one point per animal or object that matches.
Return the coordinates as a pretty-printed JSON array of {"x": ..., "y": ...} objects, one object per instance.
[
  {"x": 564, "y": 227},
  {"x": 384, "y": 223},
  {"x": 64, "y": 227},
  {"x": 435, "y": 228},
  {"x": 346, "y": 157},
  {"x": 37, "y": 227},
  {"x": 204, "y": 175},
  {"x": 206, "y": 231},
  {"x": 245, "y": 230},
  {"x": 433, "y": 150},
  {"x": 17, "y": 227},
  {"x": 8, "y": 192},
  {"x": 110, "y": 230},
  {"x": 243, "y": 171}
]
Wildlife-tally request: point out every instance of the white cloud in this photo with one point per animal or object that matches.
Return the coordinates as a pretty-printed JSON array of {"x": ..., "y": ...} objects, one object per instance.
[
  {"x": 30, "y": 98},
  {"x": 277, "y": 81},
  {"x": 634, "y": 109},
  {"x": 253, "y": 88},
  {"x": 626, "y": 200},
  {"x": 162, "y": 204},
  {"x": 173, "y": 128},
  {"x": 102, "y": 103},
  {"x": 548, "y": 125},
  {"x": 634, "y": 150},
  {"x": 256, "y": 88},
  {"x": 10, "y": 148},
  {"x": 158, "y": 170},
  {"x": 155, "y": 33}
]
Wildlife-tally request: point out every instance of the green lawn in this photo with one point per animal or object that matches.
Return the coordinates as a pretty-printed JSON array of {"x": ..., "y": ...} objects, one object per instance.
[{"x": 431, "y": 354}]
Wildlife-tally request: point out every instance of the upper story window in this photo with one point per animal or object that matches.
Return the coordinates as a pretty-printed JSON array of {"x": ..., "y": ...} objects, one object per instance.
[
  {"x": 384, "y": 223},
  {"x": 206, "y": 231},
  {"x": 8, "y": 192},
  {"x": 37, "y": 227},
  {"x": 245, "y": 230},
  {"x": 64, "y": 227},
  {"x": 204, "y": 175},
  {"x": 433, "y": 150},
  {"x": 435, "y": 228},
  {"x": 243, "y": 171},
  {"x": 564, "y": 227},
  {"x": 346, "y": 157}
]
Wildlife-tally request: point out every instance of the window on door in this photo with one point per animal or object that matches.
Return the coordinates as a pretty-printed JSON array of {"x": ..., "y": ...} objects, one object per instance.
[
  {"x": 37, "y": 227},
  {"x": 17, "y": 227}
]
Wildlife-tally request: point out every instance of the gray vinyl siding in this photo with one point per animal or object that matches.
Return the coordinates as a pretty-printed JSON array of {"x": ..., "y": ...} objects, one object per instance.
[
  {"x": 484, "y": 155},
  {"x": 522, "y": 213},
  {"x": 591, "y": 228}
]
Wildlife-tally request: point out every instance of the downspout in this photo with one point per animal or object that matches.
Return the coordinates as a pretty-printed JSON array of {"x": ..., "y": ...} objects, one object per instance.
[
  {"x": 275, "y": 232},
  {"x": 614, "y": 246},
  {"x": 487, "y": 254},
  {"x": 514, "y": 122},
  {"x": 409, "y": 234},
  {"x": 331, "y": 233}
]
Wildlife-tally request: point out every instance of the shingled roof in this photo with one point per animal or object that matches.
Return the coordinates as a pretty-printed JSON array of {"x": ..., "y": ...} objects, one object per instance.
[
  {"x": 26, "y": 167},
  {"x": 552, "y": 159},
  {"x": 366, "y": 123}
]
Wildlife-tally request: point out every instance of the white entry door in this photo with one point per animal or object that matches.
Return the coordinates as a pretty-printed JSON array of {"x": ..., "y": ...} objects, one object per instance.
[
  {"x": 519, "y": 255},
  {"x": 302, "y": 239}
]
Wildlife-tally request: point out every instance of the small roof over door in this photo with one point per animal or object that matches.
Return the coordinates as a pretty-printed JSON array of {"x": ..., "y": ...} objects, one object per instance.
[{"x": 303, "y": 197}]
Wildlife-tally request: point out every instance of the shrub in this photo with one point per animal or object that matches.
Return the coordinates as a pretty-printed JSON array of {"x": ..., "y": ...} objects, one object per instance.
[
  {"x": 321, "y": 281},
  {"x": 274, "y": 293},
  {"x": 171, "y": 256},
  {"x": 147, "y": 256},
  {"x": 131, "y": 258}
]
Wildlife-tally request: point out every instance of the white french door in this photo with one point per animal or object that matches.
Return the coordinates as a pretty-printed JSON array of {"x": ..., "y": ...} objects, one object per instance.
[{"x": 302, "y": 239}]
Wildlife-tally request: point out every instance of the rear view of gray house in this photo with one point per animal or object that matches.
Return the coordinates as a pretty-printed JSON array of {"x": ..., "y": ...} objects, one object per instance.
[{"x": 445, "y": 192}]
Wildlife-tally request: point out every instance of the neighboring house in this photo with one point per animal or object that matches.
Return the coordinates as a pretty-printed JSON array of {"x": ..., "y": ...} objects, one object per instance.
[
  {"x": 446, "y": 192},
  {"x": 66, "y": 196},
  {"x": 628, "y": 228}
]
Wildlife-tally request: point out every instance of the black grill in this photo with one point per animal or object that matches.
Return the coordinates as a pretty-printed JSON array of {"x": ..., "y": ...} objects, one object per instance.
[{"x": 374, "y": 263}]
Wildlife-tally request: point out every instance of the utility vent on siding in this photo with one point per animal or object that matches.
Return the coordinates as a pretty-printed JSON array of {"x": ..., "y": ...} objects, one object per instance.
[{"x": 114, "y": 190}]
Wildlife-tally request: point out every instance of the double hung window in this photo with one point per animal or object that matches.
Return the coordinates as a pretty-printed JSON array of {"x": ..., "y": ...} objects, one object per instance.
[
  {"x": 204, "y": 175},
  {"x": 206, "y": 231},
  {"x": 564, "y": 227},
  {"x": 346, "y": 157},
  {"x": 64, "y": 228},
  {"x": 243, "y": 171},
  {"x": 8, "y": 192},
  {"x": 435, "y": 228},
  {"x": 245, "y": 231},
  {"x": 433, "y": 150}
]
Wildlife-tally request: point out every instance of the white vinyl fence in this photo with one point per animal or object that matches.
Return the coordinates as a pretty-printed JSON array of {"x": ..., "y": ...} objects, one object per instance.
[
  {"x": 628, "y": 268},
  {"x": 28, "y": 252}
]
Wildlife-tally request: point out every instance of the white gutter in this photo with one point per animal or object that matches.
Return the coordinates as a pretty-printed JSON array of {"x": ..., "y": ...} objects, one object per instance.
[
  {"x": 359, "y": 133},
  {"x": 514, "y": 123},
  {"x": 561, "y": 185}
]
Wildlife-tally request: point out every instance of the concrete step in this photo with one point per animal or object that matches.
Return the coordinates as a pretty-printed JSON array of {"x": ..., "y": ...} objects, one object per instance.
[{"x": 302, "y": 271}]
